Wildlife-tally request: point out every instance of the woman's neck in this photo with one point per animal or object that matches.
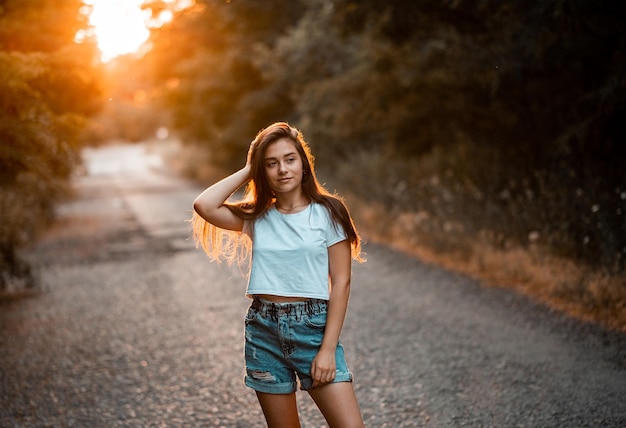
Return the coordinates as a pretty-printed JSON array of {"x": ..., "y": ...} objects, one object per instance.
[{"x": 291, "y": 204}]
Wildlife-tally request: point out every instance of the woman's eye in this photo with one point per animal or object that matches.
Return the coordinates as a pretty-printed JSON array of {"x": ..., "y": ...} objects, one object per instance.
[{"x": 270, "y": 164}]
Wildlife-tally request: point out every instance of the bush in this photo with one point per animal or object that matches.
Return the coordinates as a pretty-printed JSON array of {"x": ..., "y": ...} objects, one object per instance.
[{"x": 47, "y": 88}]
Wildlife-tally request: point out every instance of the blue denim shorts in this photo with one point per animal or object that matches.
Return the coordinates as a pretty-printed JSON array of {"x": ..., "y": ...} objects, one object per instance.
[{"x": 281, "y": 341}]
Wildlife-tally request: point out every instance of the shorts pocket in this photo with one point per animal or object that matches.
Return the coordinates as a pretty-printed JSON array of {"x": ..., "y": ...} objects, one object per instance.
[{"x": 316, "y": 320}]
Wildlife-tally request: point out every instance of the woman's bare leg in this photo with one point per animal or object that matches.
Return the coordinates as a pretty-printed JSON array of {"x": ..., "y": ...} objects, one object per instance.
[
  {"x": 338, "y": 404},
  {"x": 280, "y": 410}
]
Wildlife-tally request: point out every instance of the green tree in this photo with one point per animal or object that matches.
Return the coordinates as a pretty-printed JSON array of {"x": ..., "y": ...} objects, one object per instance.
[
  {"x": 518, "y": 103},
  {"x": 505, "y": 116},
  {"x": 205, "y": 64},
  {"x": 47, "y": 88}
]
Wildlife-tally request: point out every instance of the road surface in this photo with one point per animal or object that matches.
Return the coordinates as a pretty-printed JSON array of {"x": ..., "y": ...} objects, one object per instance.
[{"x": 136, "y": 328}]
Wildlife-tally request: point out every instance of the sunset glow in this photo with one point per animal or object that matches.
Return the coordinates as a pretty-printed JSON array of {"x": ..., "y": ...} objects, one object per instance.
[{"x": 121, "y": 26}]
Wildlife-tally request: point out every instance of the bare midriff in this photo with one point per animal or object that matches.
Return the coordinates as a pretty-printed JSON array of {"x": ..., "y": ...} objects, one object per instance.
[{"x": 281, "y": 299}]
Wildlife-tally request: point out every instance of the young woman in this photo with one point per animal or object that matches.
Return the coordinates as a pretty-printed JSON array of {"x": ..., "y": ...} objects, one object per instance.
[{"x": 302, "y": 241}]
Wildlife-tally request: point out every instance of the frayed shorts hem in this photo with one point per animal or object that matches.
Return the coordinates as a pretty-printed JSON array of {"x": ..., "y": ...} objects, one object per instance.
[
  {"x": 290, "y": 387},
  {"x": 276, "y": 388}
]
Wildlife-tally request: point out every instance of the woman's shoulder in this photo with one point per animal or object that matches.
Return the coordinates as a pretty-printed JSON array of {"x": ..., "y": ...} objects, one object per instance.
[
  {"x": 320, "y": 208},
  {"x": 329, "y": 212}
]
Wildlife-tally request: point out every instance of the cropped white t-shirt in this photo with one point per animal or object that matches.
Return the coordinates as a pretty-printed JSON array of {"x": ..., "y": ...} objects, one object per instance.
[{"x": 290, "y": 252}]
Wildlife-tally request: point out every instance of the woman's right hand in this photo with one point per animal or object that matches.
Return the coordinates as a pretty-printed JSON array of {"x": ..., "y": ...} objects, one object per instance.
[{"x": 249, "y": 157}]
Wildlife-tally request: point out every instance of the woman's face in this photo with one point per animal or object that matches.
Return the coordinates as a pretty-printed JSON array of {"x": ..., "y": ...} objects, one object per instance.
[{"x": 283, "y": 166}]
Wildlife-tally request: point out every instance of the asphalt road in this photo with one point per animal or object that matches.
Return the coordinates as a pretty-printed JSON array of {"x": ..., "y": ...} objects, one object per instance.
[{"x": 136, "y": 328}]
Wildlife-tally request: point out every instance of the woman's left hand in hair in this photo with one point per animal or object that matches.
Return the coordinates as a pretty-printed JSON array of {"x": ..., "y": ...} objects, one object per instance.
[{"x": 323, "y": 367}]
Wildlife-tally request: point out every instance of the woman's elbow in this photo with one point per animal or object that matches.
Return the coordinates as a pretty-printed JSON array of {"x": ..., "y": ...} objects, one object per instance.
[{"x": 199, "y": 208}]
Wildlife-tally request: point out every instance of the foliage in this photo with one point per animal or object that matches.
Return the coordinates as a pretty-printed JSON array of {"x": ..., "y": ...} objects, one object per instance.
[
  {"x": 204, "y": 62},
  {"x": 131, "y": 112},
  {"x": 46, "y": 89},
  {"x": 503, "y": 117}
]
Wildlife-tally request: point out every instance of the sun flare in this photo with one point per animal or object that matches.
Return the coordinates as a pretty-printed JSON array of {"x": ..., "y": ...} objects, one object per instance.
[{"x": 121, "y": 26}]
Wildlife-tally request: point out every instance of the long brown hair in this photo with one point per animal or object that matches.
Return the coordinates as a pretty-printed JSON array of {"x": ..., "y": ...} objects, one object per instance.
[{"x": 259, "y": 197}]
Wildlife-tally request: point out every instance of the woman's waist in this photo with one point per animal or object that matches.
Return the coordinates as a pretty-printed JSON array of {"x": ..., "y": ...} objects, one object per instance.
[
  {"x": 295, "y": 308},
  {"x": 273, "y": 298},
  {"x": 288, "y": 291}
]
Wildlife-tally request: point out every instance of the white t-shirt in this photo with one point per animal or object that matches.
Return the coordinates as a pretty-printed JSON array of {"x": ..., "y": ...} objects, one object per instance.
[{"x": 290, "y": 252}]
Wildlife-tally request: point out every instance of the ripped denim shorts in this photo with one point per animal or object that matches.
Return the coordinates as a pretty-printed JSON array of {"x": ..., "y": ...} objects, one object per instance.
[{"x": 281, "y": 341}]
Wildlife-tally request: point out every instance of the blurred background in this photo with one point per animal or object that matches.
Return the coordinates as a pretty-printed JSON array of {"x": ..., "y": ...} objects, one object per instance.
[{"x": 486, "y": 136}]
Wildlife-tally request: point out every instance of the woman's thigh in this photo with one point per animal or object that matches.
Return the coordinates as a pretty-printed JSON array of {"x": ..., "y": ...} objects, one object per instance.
[
  {"x": 280, "y": 410},
  {"x": 338, "y": 404}
]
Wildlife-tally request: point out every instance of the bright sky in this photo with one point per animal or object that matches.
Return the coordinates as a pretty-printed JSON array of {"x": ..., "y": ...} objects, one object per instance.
[{"x": 121, "y": 26}]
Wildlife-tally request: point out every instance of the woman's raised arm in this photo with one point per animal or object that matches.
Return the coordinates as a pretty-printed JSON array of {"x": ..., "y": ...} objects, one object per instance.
[{"x": 210, "y": 204}]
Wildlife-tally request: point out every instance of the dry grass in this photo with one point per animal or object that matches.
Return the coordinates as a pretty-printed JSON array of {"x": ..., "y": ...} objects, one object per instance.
[{"x": 562, "y": 284}]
